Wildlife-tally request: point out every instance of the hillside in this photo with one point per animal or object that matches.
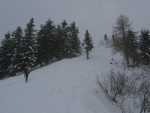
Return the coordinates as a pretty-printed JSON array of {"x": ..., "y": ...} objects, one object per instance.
[{"x": 67, "y": 86}]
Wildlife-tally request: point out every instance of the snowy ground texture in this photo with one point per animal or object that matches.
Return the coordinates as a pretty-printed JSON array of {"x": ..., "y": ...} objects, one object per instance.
[{"x": 67, "y": 86}]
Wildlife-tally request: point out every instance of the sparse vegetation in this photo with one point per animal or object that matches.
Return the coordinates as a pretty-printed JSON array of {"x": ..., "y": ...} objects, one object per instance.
[{"x": 126, "y": 91}]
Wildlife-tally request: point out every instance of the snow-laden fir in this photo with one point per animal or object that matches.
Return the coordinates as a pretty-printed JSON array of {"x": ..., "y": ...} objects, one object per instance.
[{"x": 67, "y": 86}]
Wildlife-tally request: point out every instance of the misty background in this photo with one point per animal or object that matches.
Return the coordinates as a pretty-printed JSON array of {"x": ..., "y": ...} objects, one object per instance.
[{"x": 98, "y": 16}]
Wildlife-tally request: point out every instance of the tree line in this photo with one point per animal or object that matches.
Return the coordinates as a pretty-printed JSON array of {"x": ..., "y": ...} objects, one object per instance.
[
  {"x": 129, "y": 91},
  {"x": 135, "y": 46},
  {"x": 30, "y": 47}
]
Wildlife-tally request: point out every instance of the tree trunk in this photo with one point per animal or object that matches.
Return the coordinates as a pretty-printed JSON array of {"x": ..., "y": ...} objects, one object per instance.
[{"x": 87, "y": 54}]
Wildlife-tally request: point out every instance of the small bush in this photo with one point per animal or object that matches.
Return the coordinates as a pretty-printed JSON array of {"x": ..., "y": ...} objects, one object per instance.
[
  {"x": 116, "y": 85},
  {"x": 128, "y": 93},
  {"x": 144, "y": 96}
]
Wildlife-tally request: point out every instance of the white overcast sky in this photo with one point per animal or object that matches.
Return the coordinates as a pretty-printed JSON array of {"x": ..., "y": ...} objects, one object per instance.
[{"x": 98, "y": 16}]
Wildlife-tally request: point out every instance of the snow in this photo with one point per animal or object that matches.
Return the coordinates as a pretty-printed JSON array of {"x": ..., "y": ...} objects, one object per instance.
[{"x": 67, "y": 86}]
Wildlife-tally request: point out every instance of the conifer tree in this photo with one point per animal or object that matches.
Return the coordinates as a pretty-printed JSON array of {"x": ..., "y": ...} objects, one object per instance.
[
  {"x": 105, "y": 37},
  {"x": 88, "y": 44},
  {"x": 131, "y": 45},
  {"x": 1, "y": 64},
  {"x": 60, "y": 42},
  {"x": 46, "y": 42},
  {"x": 66, "y": 42},
  {"x": 17, "y": 63},
  {"x": 145, "y": 46},
  {"x": 29, "y": 50},
  {"x": 74, "y": 39},
  {"x": 6, "y": 53}
]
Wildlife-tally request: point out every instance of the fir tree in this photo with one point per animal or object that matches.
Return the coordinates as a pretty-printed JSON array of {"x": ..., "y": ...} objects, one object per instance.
[
  {"x": 74, "y": 39},
  {"x": 2, "y": 68},
  {"x": 88, "y": 44},
  {"x": 6, "y": 54},
  {"x": 17, "y": 63},
  {"x": 60, "y": 42},
  {"x": 46, "y": 42},
  {"x": 131, "y": 47},
  {"x": 105, "y": 37},
  {"x": 66, "y": 42},
  {"x": 145, "y": 46},
  {"x": 28, "y": 47}
]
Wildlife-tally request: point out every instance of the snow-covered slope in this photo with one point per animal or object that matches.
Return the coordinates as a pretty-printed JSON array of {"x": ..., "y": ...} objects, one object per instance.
[{"x": 67, "y": 86}]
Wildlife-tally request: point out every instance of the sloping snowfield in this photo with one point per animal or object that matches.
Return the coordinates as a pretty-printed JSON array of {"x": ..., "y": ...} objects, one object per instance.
[{"x": 67, "y": 86}]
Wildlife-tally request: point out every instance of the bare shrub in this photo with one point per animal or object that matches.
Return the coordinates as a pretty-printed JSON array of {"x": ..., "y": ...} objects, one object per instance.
[
  {"x": 118, "y": 87},
  {"x": 144, "y": 96}
]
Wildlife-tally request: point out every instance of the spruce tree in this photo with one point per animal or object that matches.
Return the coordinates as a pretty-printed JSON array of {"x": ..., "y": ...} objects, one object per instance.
[
  {"x": 17, "y": 63},
  {"x": 131, "y": 45},
  {"x": 74, "y": 39},
  {"x": 88, "y": 44},
  {"x": 2, "y": 62},
  {"x": 60, "y": 42},
  {"x": 28, "y": 47},
  {"x": 66, "y": 42},
  {"x": 46, "y": 42},
  {"x": 6, "y": 54},
  {"x": 145, "y": 46},
  {"x": 105, "y": 37}
]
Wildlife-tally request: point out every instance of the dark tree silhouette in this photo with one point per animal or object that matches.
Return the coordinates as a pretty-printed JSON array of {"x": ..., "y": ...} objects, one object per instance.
[{"x": 88, "y": 44}]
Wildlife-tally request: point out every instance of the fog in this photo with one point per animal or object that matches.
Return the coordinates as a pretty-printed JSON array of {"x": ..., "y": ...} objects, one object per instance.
[{"x": 98, "y": 16}]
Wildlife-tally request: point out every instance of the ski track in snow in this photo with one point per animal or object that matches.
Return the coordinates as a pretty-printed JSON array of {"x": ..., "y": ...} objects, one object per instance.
[{"x": 67, "y": 86}]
